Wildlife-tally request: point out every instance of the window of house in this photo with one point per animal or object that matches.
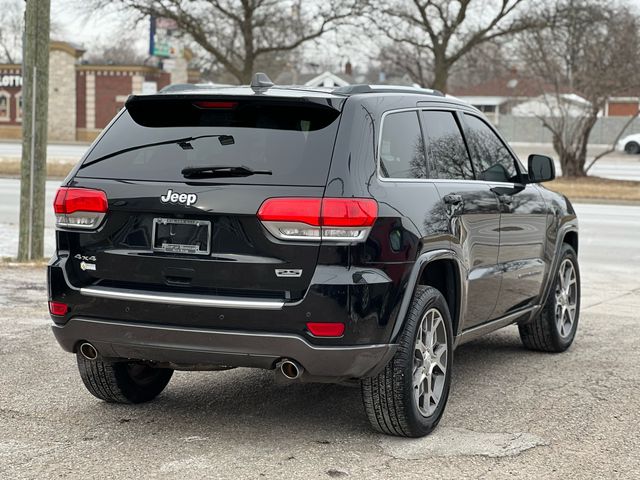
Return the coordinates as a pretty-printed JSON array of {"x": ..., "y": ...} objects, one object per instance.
[
  {"x": 402, "y": 147},
  {"x": 491, "y": 159},
  {"x": 19, "y": 107},
  {"x": 486, "y": 108},
  {"x": 5, "y": 106},
  {"x": 446, "y": 152}
]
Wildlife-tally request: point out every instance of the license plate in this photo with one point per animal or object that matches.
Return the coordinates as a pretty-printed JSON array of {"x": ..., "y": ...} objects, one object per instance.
[{"x": 179, "y": 235}]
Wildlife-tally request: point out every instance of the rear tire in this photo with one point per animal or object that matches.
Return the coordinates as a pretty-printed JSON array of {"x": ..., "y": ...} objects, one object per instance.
[
  {"x": 122, "y": 382},
  {"x": 632, "y": 148},
  {"x": 409, "y": 396},
  {"x": 554, "y": 328}
]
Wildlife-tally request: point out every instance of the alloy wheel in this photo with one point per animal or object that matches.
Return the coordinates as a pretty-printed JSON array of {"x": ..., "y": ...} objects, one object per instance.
[
  {"x": 566, "y": 298},
  {"x": 430, "y": 362}
]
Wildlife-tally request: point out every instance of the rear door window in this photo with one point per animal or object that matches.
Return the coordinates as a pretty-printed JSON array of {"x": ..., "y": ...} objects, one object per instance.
[
  {"x": 402, "y": 147},
  {"x": 446, "y": 152},
  {"x": 293, "y": 141},
  {"x": 492, "y": 160}
]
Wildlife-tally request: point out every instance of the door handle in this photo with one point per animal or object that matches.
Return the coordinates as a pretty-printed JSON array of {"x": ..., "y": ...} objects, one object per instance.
[{"x": 452, "y": 199}]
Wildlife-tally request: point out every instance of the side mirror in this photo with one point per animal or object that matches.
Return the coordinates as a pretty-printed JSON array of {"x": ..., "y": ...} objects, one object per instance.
[{"x": 541, "y": 169}]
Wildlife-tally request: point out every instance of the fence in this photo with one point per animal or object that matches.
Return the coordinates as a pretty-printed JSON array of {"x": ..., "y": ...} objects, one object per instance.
[{"x": 530, "y": 129}]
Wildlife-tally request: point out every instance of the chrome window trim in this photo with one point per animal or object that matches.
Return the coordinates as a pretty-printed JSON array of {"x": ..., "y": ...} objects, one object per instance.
[
  {"x": 440, "y": 107},
  {"x": 379, "y": 143}
]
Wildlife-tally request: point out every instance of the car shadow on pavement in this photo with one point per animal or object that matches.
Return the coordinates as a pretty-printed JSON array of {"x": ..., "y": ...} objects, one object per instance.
[{"x": 252, "y": 402}]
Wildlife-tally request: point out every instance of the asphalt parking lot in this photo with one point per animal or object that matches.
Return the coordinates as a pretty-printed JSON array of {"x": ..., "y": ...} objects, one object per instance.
[{"x": 512, "y": 413}]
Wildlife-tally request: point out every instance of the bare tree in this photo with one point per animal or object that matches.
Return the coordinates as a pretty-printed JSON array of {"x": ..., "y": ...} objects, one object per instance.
[
  {"x": 431, "y": 36},
  {"x": 238, "y": 34},
  {"x": 11, "y": 31},
  {"x": 120, "y": 49},
  {"x": 590, "y": 50}
]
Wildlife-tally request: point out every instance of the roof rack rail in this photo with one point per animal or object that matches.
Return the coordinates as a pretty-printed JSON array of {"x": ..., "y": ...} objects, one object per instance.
[
  {"x": 182, "y": 87},
  {"x": 365, "y": 88}
]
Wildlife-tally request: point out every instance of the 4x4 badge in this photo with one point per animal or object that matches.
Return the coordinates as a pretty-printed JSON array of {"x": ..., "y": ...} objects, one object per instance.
[
  {"x": 174, "y": 197},
  {"x": 292, "y": 272}
]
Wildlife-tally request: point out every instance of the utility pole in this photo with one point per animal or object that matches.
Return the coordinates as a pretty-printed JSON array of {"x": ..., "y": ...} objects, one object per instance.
[{"x": 35, "y": 100}]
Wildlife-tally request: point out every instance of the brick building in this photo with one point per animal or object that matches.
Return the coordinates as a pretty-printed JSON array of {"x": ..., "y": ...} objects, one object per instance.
[
  {"x": 83, "y": 98},
  {"x": 518, "y": 95}
]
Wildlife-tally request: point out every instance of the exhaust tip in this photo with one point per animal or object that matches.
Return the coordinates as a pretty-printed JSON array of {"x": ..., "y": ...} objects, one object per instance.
[
  {"x": 291, "y": 369},
  {"x": 88, "y": 351}
]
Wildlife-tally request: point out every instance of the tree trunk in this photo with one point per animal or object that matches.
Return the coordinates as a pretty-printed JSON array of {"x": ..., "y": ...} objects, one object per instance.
[
  {"x": 440, "y": 73},
  {"x": 572, "y": 153},
  {"x": 572, "y": 167},
  {"x": 35, "y": 97}
]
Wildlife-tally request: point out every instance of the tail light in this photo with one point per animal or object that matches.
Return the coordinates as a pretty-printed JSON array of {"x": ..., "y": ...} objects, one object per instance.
[
  {"x": 224, "y": 105},
  {"x": 325, "y": 329},
  {"x": 58, "y": 309},
  {"x": 309, "y": 219},
  {"x": 79, "y": 207}
]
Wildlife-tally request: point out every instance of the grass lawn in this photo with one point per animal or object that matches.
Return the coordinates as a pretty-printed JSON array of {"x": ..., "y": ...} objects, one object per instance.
[
  {"x": 596, "y": 188},
  {"x": 11, "y": 168}
]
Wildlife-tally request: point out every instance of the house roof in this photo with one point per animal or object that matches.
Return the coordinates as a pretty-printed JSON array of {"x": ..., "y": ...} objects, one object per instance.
[
  {"x": 313, "y": 79},
  {"x": 511, "y": 85}
]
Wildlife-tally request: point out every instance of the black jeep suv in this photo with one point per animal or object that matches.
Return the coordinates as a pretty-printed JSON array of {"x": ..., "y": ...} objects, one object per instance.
[{"x": 357, "y": 234}]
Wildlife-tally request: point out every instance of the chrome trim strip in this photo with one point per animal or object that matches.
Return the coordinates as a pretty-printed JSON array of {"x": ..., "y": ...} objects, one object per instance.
[
  {"x": 482, "y": 329},
  {"x": 184, "y": 299}
]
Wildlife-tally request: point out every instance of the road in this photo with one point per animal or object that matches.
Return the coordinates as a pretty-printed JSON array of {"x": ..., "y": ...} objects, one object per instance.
[
  {"x": 55, "y": 151},
  {"x": 619, "y": 221},
  {"x": 10, "y": 213},
  {"x": 617, "y": 165},
  {"x": 512, "y": 413}
]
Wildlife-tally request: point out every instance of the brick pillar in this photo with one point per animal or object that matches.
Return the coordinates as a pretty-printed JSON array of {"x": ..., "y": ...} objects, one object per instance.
[
  {"x": 136, "y": 84},
  {"x": 178, "y": 70},
  {"x": 62, "y": 96},
  {"x": 90, "y": 99}
]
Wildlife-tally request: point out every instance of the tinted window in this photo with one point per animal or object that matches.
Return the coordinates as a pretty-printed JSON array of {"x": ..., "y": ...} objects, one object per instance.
[
  {"x": 402, "y": 148},
  {"x": 446, "y": 152},
  {"x": 294, "y": 142},
  {"x": 492, "y": 160}
]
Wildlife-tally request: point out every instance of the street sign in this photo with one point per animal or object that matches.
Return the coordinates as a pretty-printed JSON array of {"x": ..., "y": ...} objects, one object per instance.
[
  {"x": 10, "y": 80},
  {"x": 163, "y": 41}
]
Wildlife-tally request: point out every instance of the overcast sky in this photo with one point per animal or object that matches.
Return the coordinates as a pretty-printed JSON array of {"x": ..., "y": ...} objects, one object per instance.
[
  {"x": 78, "y": 26},
  {"x": 73, "y": 24}
]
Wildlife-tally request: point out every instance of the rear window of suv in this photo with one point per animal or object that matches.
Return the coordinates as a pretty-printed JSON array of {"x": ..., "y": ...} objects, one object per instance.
[{"x": 291, "y": 139}]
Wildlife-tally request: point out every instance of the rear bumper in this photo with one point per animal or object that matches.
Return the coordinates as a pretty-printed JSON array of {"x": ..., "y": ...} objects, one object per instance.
[{"x": 200, "y": 347}]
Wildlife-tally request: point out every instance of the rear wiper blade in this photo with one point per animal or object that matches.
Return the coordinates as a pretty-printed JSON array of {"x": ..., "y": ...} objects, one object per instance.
[
  {"x": 222, "y": 172},
  {"x": 184, "y": 143}
]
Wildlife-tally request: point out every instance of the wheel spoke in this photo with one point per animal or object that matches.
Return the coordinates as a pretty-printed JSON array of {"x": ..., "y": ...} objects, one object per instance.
[
  {"x": 568, "y": 270},
  {"x": 429, "y": 325},
  {"x": 418, "y": 376},
  {"x": 428, "y": 394},
  {"x": 434, "y": 332},
  {"x": 421, "y": 347},
  {"x": 440, "y": 358},
  {"x": 561, "y": 276}
]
